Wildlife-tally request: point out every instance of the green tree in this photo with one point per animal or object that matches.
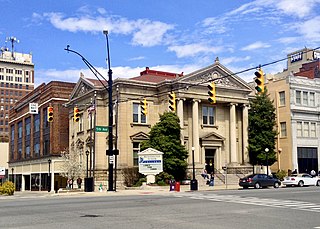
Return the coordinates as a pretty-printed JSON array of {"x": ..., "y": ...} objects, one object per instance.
[
  {"x": 165, "y": 137},
  {"x": 262, "y": 131}
]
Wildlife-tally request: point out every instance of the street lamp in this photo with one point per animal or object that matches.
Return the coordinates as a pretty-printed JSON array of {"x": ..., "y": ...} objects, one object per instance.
[
  {"x": 49, "y": 176},
  {"x": 267, "y": 150},
  {"x": 87, "y": 153},
  {"x": 194, "y": 182}
]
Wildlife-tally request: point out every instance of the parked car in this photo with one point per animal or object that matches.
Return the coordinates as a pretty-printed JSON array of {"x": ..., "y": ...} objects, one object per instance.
[
  {"x": 302, "y": 179},
  {"x": 259, "y": 181}
]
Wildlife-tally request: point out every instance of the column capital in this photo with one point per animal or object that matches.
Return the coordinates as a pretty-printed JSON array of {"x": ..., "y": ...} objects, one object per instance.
[{"x": 196, "y": 100}]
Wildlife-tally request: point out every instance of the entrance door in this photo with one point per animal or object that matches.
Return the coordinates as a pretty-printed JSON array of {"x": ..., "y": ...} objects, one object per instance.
[
  {"x": 209, "y": 160},
  {"x": 26, "y": 182},
  {"x": 307, "y": 159}
]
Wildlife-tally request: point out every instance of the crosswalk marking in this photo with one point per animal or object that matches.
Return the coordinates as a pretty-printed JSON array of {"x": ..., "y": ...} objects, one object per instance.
[{"x": 291, "y": 204}]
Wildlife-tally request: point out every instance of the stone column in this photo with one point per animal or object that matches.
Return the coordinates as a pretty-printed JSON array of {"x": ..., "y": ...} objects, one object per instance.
[
  {"x": 233, "y": 136},
  {"x": 195, "y": 130},
  {"x": 180, "y": 115},
  {"x": 245, "y": 122}
]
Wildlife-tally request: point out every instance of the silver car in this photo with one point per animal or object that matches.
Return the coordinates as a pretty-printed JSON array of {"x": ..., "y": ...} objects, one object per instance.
[{"x": 301, "y": 180}]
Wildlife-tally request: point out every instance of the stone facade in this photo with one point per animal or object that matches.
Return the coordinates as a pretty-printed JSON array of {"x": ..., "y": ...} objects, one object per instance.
[{"x": 218, "y": 133}]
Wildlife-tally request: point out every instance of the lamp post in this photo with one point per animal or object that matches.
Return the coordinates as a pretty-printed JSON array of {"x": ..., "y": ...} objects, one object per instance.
[
  {"x": 49, "y": 176},
  {"x": 194, "y": 182},
  {"x": 87, "y": 154},
  {"x": 267, "y": 150}
]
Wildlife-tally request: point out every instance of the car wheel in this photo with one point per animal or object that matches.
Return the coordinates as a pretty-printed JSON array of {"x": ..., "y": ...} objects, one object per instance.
[
  {"x": 257, "y": 185},
  {"x": 300, "y": 184},
  {"x": 276, "y": 185},
  {"x": 318, "y": 183}
]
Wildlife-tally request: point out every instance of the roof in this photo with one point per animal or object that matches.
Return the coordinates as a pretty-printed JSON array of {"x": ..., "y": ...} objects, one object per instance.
[{"x": 154, "y": 76}]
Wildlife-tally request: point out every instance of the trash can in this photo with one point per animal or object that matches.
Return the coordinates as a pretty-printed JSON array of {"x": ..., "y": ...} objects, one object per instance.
[
  {"x": 211, "y": 183},
  {"x": 177, "y": 187},
  {"x": 88, "y": 184},
  {"x": 172, "y": 184},
  {"x": 194, "y": 185}
]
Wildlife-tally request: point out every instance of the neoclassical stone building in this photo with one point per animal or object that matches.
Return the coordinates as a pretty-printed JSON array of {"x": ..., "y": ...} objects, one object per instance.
[{"x": 218, "y": 133}]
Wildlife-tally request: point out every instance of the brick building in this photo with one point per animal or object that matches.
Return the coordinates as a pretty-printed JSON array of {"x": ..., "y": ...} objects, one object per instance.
[
  {"x": 35, "y": 144},
  {"x": 16, "y": 80}
]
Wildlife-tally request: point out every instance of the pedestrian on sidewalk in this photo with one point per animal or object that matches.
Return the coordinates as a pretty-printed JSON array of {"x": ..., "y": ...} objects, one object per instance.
[
  {"x": 204, "y": 174},
  {"x": 79, "y": 181}
]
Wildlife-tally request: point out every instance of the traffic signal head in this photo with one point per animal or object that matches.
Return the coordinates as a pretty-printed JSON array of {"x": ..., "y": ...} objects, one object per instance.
[
  {"x": 50, "y": 114},
  {"x": 259, "y": 81},
  {"x": 144, "y": 106},
  {"x": 172, "y": 102},
  {"x": 76, "y": 115},
  {"x": 212, "y": 93}
]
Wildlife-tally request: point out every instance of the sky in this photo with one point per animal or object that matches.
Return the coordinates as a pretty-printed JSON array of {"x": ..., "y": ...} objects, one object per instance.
[{"x": 174, "y": 36}]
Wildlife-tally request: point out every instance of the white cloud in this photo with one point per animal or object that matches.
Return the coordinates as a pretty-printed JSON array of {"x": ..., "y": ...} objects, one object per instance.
[
  {"x": 310, "y": 29},
  {"x": 255, "y": 45},
  {"x": 191, "y": 50},
  {"x": 145, "y": 32},
  {"x": 298, "y": 8},
  {"x": 288, "y": 40},
  {"x": 230, "y": 60},
  {"x": 137, "y": 58}
]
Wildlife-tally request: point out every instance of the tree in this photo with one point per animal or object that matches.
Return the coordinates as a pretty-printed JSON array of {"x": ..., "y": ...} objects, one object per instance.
[
  {"x": 165, "y": 137},
  {"x": 71, "y": 167},
  {"x": 262, "y": 130}
]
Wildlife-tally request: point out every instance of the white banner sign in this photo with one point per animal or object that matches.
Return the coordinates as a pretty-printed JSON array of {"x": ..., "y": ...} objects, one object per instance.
[
  {"x": 150, "y": 164},
  {"x": 2, "y": 171},
  {"x": 33, "y": 108}
]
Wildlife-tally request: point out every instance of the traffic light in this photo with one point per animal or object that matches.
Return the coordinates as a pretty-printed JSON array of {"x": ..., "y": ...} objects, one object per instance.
[
  {"x": 259, "y": 81},
  {"x": 212, "y": 93},
  {"x": 172, "y": 101},
  {"x": 50, "y": 114},
  {"x": 144, "y": 106},
  {"x": 76, "y": 115}
]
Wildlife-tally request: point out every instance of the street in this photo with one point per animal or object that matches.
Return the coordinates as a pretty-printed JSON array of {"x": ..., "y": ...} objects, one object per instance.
[{"x": 252, "y": 208}]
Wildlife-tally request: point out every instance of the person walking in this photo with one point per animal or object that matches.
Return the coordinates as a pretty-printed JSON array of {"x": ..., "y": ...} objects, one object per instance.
[{"x": 79, "y": 181}]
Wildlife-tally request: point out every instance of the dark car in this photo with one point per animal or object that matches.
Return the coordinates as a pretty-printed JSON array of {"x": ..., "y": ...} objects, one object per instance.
[{"x": 259, "y": 181}]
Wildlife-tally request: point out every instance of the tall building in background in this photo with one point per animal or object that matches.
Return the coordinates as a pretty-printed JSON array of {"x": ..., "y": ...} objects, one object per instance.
[{"x": 16, "y": 80}]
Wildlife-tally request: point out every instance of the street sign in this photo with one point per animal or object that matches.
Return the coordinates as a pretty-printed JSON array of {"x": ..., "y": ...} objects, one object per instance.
[
  {"x": 33, "y": 108},
  {"x": 102, "y": 129}
]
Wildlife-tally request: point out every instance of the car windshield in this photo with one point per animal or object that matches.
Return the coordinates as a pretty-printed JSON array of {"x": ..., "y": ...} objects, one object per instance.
[{"x": 294, "y": 175}]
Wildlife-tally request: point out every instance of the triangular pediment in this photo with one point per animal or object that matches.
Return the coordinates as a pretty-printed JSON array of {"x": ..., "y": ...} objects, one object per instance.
[
  {"x": 140, "y": 136},
  {"x": 150, "y": 151},
  {"x": 82, "y": 87},
  {"x": 213, "y": 137},
  {"x": 222, "y": 77}
]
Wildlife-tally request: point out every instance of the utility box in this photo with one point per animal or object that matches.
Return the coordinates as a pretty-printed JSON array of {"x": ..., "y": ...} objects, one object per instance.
[{"x": 88, "y": 184}]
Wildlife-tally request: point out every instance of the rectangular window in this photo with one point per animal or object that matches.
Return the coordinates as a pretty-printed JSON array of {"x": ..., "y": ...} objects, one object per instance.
[
  {"x": 282, "y": 98},
  {"x": 36, "y": 123},
  {"x": 28, "y": 126},
  {"x": 283, "y": 129},
  {"x": 20, "y": 129},
  {"x": 298, "y": 97},
  {"x": 305, "y": 129},
  {"x": 138, "y": 117},
  {"x": 312, "y": 99},
  {"x": 313, "y": 132},
  {"x": 207, "y": 115},
  {"x": 136, "y": 149},
  {"x": 305, "y": 98},
  {"x": 299, "y": 129},
  {"x": 81, "y": 123},
  {"x": 27, "y": 151},
  {"x": 37, "y": 150}
]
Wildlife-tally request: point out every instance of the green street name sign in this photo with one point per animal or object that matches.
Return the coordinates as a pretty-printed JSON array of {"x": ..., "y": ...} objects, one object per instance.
[{"x": 102, "y": 129}]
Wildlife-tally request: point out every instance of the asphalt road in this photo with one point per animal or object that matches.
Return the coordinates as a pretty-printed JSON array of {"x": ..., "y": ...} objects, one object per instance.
[{"x": 264, "y": 208}]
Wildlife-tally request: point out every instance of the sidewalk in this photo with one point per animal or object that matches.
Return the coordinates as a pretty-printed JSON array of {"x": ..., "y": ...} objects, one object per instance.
[{"x": 143, "y": 190}]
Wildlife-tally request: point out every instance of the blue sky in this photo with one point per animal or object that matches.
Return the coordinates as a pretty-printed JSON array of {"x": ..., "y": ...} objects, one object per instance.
[{"x": 176, "y": 36}]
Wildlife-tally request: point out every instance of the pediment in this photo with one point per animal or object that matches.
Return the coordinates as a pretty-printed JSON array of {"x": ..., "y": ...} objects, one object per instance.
[
  {"x": 140, "y": 136},
  {"x": 222, "y": 77},
  {"x": 150, "y": 151},
  {"x": 82, "y": 87},
  {"x": 213, "y": 137}
]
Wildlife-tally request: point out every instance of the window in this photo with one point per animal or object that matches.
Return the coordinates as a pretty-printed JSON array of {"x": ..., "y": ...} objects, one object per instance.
[
  {"x": 81, "y": 123},
  {"x": 36, "y": 123},
  {"x": 312, "y": 99},
  {"x": 20, "y": 129},
  {"x": 283, "y": 129},
  {"x": 136, "y": 149},
  {"x": 305, "y": 129},
  {"x": 282, "y": 98},
  {"x": 298, "y": 97},
  {"x": 313, "y": 130},
  {"x": 37, "y": 150},
  {"x": 138, "y": 117},
  {"x": 207, "y": 115},
  {"x": 305, "y": 98},
  {"x": 299, "y": 129},
  {"x": 27, "y": 151},
  {"x": 28, "y": 126}
]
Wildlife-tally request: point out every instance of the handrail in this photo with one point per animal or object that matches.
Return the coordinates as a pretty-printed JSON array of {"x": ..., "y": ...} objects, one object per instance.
[{"x": 220, "y": 175}]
